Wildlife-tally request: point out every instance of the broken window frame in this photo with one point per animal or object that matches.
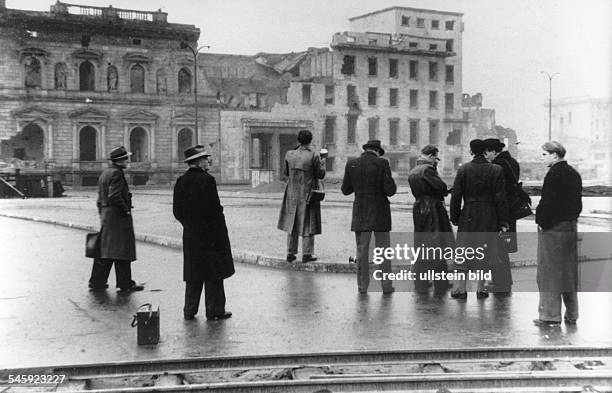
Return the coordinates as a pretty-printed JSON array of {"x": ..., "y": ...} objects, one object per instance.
[
  {"x": 330, "y": 93},
  {"x": 348, "y": 65},
  {"x": 449, "y": 25},
  {"x": 306, "y": 94}
]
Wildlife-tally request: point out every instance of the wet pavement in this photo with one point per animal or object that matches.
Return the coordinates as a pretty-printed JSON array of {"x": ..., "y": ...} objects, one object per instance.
[{"x": 47, "y": 316}]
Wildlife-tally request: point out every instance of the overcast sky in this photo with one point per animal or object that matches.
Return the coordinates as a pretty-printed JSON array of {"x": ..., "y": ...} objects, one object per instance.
[{"x": 506, "y": 43}]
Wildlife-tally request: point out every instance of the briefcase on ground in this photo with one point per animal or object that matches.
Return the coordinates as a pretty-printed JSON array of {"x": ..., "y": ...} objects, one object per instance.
[
  {"x": 147, "y": 321},
  {"x": 92, "y": 245}
]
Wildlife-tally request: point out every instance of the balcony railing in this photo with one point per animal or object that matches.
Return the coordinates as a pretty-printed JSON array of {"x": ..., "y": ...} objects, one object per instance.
[{"x": 109, "y": 12}]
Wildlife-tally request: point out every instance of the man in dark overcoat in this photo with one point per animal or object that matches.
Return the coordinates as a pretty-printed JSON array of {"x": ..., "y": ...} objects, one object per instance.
[
  {"x": 369, "y": 177},
  {"x": 432, "y": 228},
  {"x": 502, "y": 275},
  {"x": 206, "y": 247},
  {"x": 300, "y": 216},
  {"x": 480, "y": 185},
  {"x": 117, "y": 241},
  {"x": 556, "y": 216}
]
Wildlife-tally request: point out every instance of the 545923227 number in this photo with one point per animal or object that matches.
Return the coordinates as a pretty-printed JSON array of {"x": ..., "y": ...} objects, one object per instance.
[{"x": 36, "y": 379}]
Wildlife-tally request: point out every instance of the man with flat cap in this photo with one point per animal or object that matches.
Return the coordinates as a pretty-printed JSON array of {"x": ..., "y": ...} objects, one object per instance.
[
  {"x": 432, "y": 228},
  {"x": 207, "y": 254},
  {"x": 369, "y": 177},
  {"x": 502, "y": 275},
  {"x": 117, "y": 241}
]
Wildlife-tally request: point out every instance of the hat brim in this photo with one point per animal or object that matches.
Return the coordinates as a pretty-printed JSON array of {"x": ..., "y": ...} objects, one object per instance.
[
  {"x": 198, "y": 155},
  {"x": 126, "y": 155},
  {"x": 380, "y": 149}
]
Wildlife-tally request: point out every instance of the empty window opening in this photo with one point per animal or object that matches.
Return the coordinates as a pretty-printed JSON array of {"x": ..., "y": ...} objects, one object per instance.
[
  {"x": 433, "y": 47},
  {"x": 306, "y": 94},
  {"x": 351, "y": 129},
  {"x": 433, "y": 132},
  {"x": 330, "y": 129},
  {"x": 136, "y": 41},
  {"x": 184, "y": 141},
  {"x": 392, "y": 68},
  {"x": 32, "y": 72},
  {"x": 373, "y": 128},
  {"x": 414, "y": 99},
  {"x": 329, "y": 94},
  {"x": 435, "y": 24},
  {"x": 348, "y": 65},
  {"x": 449, "y": 102},
  {"x": 405, "y": 20},
  {"x": 137, "y": 77},
  {"x": 184, "y": 80},
  {"x": 351, "y": 97},
  {"x": 413, "y": 44},
  {"x": 450, "y": 24},
  {"x": 85, "y": 40},
  {"x": 393, "y": 97},
  {"x": 87, "y": 76},
  {"x": 450, "y": 73},
  {"x": 139, "y": 145},
  {"x": 393, "y": 131},
  {"x": 414, "y": 69},
  {"x": 421, "y": 22},
  {"x": 372, "y": 93},
  {"x": 87, "y": 144},
  {"x": 414, "y": 132},
  {"x": 433, "y": 70},
  {"x": 433, "y": 99},
  {"x": 372, "y": 66},
  {"x": 450, "y": 45}
]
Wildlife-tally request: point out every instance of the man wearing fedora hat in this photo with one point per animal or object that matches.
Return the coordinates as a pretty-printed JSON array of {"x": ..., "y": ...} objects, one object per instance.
[
  {"x": 117, "y": 241},
  {"x": 207, "y": 254},
  {"x": 502, "y": 275},
  {"x": 369, "y": 177}
]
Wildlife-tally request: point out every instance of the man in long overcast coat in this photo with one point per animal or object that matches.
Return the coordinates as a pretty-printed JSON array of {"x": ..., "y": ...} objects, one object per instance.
[
  {"x": 206, "y": 246},
  {"x": 369, "y": 177}
]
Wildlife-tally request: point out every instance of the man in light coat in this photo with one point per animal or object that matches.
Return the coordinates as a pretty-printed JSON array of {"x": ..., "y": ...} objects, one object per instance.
[
  {"x": 300, "y": 216},
  {"x": 117, "y": 241},
  {"x": 556, "y": 216},
  {"x": 207, "y": 254},
  {"x": 369, "y": 177}
]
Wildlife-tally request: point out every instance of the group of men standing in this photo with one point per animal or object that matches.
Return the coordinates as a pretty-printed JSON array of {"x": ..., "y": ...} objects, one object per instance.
[{"x": 482, "y": 193}]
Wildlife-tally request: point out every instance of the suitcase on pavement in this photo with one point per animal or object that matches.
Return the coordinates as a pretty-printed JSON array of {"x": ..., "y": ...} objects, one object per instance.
[{"x": 146, "y": 320}]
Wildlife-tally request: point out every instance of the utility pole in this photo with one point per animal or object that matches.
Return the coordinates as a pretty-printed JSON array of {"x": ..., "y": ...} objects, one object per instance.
[
  {"x": 195, "y": 51},
  {"x": 550, "y": 78}
]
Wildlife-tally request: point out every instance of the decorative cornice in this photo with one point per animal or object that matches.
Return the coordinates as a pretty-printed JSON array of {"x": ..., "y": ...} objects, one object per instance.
[{"x": 88, "y": 113}]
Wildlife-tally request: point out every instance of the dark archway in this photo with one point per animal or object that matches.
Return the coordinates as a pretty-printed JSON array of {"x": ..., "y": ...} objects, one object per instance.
[
  {"x": 87, "y": 144},
  {"x": 185, "y": 141},
  {"x": 139, "y": 144},
  {"x": 87, "y": 76},
  {"x": 137, "y": 79}
]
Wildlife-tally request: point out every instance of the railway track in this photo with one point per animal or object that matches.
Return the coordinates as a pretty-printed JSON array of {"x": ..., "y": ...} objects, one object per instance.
[{"x": 544, "y": 369}]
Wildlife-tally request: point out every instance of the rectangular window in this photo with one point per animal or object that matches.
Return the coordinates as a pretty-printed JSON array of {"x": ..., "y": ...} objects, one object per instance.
[
  {"x": 413, "y": 162},
  {"x": 306, "y": 94},
  {"x": 329, "y": 164},
  {"x": 330, "y": 129},
  {"x": 449, "y": 45},
  {"x": 372, "y": 66},
  {"x": 449, "y": 102},
  {"x": 392, "y": 68},
  {"x": 373, "y": 128},
  {"x": 393, "y": 97},
  {"x": 435, "y": 24},
  {"x": 348, "y": 65},
  {"x": 450, "y": 74},
  {"x": 450, "y": 24},
  {"x": 433, "y": 132},
  {"x": 405, "y": 20},
  {"x": 421, "y": 22},
  {"x": 414, "y": 99},
  {"x": 351, "y": 129},
  {"x": 372, "y": 93},
  {"x": 414, "y": 69},
  {"x": 372, "y": 42},
  {"x": 413, "y": 45},
  {"x": 329, "y": 94},
  {"x": 433, "y": 46},
  {"x": 433, "y": 99},
  {"x": 351, "y": 96},
  {"x": 433, "y": 70},
  {"x": 414, "y": 132},
  {"x": 393, "y": 131}
]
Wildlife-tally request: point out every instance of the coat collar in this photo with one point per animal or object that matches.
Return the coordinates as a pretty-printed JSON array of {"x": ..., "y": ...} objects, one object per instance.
[
  {"x": 479, "y": 159},
  {"x": 369, "y": 153}
]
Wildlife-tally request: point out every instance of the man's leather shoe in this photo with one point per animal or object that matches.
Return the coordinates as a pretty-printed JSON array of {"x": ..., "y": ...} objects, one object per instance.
[
  {"x": 308, "y": 258},
  {"x": 189, "y": 317},
  {"x": 225, "y": 315},
  {"x": 459, "y": 295},
  {"x": 291, "y": 258},
  {"x": 542, "y": 323},
  {"x": 482, "y": 294},
  {"x": 134, "y": 288},
  {"x": 389, "y": 290}
]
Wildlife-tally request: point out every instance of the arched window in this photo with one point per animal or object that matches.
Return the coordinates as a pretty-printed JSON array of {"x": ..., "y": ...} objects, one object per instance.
[
  {"x": 184, "y": 80},
  {"x": 137, "y": 75},
  {"x": 112, "y": 78},
  {"x": 139, "y": 144},
  {"x": 87, "y": 76},
  {"x": 185, "y": 140},
  {"x": 32, "y": 71},
  {"x": 87, "y": 144},
  {"x": 61, "y": 73},
  {"x": 160, "y": 78}
]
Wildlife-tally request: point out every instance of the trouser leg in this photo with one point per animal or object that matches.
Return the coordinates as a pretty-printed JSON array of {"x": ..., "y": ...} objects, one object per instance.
[
  {"x": 549, "y": 306},
  {"x": 292, "y": 242},
  {"x": 440, "y": 286},
  {"x": 420, "y": 266},
  {"x": 308, "y": 245},
  {"x": 214, "y": 298},
  {"x": 123, "y": 274},
  {"x": 382, "y": 240},
  {"x": 363, "y": 269},
  {"x": 570, "y": 299},
  {"x": 502, "y": 275},
  {"x": 193, "y": 292},
  {"x": 99, "y": 272}
]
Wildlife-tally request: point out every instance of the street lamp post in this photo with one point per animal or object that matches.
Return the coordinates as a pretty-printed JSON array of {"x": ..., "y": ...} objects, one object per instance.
[
  {"x": 195, "y": 52},
  {"x": 550, "y": 78}
]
